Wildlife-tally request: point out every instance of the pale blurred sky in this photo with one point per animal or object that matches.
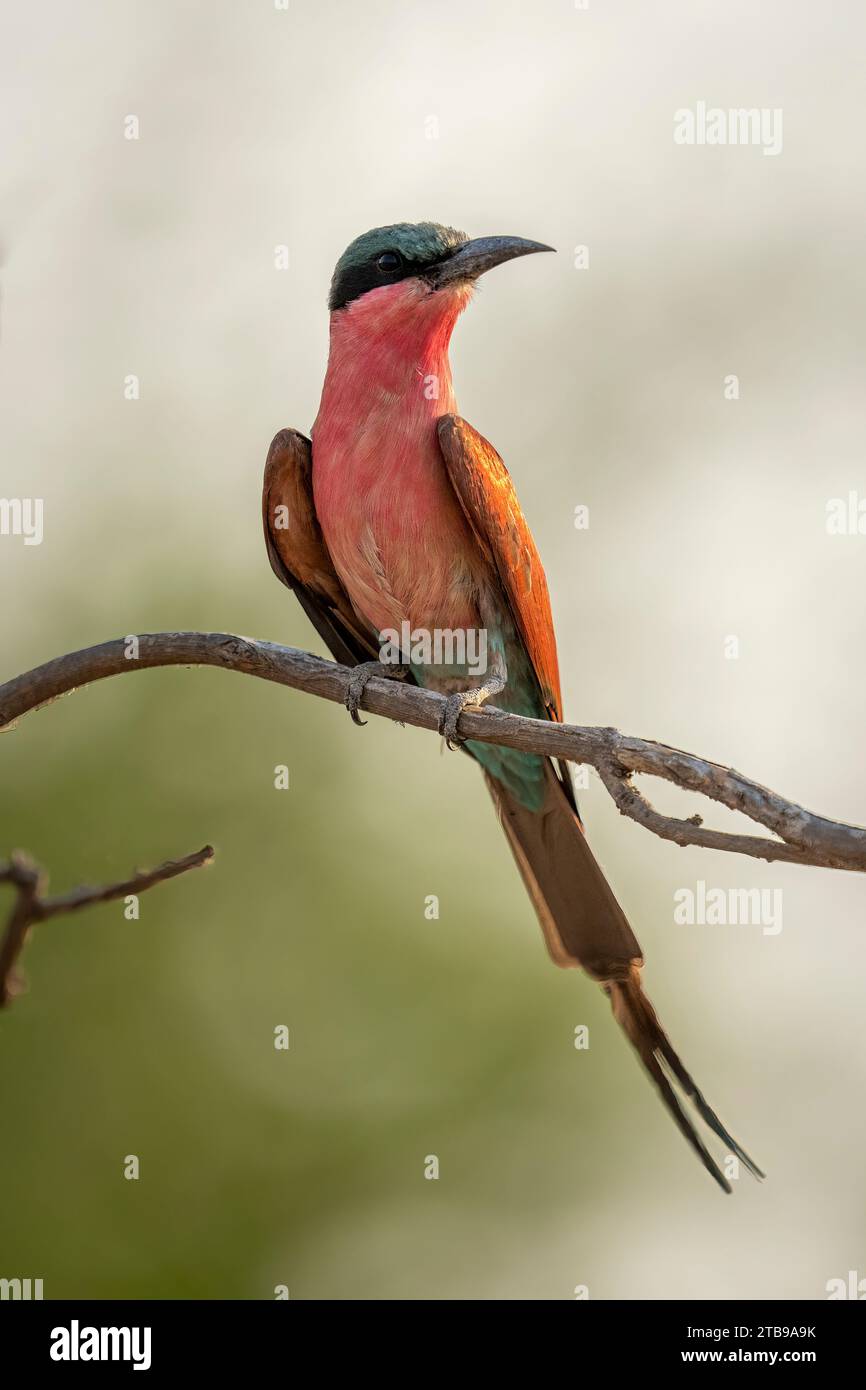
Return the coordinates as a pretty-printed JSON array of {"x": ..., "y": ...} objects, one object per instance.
[{"x": 604, "y": 386}]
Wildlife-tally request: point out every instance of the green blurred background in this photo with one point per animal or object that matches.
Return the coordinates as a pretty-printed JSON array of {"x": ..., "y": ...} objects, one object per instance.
[{"x": 412, "y": 1037}]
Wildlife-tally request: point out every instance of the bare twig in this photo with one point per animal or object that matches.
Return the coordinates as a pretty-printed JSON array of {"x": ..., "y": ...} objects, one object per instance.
[
  {"x": 803, "y": 836},
  {"x": 32, "y": 906},
  {"x": 27, "y": 881}
]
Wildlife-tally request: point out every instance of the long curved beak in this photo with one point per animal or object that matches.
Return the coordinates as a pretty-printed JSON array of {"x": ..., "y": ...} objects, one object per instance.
[{"x": 474, "y": 257}]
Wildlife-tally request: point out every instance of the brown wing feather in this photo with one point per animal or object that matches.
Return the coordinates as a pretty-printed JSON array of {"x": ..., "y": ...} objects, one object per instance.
[
  {"x": 297, "y": 550},
  {"x": 489, "y": 500}
]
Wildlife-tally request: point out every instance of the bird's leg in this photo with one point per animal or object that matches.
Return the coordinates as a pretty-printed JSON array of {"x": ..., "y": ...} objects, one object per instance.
[
  {"x": 361, "y": 674},
  {"x": 471, "y": 699}
]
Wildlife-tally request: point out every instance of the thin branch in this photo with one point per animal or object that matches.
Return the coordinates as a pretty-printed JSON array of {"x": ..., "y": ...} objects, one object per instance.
[
  {"x": 31, "y": 906},
  {"x": 27, "y": 881},
  {"x": 803, "y": 836}
]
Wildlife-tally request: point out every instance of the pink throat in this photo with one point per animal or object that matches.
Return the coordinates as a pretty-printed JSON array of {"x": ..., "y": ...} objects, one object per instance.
[
  {"x": 391, "y": 347},
  {"x": 388, "y": 382}
]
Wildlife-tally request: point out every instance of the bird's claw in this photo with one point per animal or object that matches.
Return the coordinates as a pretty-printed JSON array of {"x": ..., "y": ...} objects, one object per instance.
[
  {"x": 454, "y": 707},
  {"x": 361, "y": 674}
]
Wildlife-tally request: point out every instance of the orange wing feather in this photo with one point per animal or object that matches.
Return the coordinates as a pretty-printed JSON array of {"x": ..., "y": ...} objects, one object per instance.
[{"x": 489, "y": 500}]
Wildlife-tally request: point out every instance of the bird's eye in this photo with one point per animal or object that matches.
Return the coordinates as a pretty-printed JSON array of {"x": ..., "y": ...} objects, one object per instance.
[{"x": 389, "y": 261}]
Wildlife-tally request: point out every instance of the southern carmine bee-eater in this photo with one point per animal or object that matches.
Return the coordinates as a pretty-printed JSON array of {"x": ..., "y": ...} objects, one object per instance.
[{"x": 399, "y": 512}]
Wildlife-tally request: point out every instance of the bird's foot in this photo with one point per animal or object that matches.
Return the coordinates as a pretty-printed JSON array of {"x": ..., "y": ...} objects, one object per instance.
[
  {"x": 465, "y": 699},
  {"x": 363, "y": 673}
]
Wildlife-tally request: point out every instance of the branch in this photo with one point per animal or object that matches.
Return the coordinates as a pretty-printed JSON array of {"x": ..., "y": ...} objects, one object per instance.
[
  {"x": 31, "y": 906},
  {"x": 803, "y": 837}
]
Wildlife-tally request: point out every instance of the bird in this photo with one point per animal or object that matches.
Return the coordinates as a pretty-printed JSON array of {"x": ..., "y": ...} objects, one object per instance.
[{"x": 396, "y": 511}]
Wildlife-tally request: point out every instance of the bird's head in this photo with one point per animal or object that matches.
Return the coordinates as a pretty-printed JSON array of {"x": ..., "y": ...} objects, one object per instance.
[{"x": 415, "y": 272}]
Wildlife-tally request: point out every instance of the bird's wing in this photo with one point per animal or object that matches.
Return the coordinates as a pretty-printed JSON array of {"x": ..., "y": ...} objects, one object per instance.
[
  {"x": 297, "y": 550},
  {"x": 487, "y": 496}
]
